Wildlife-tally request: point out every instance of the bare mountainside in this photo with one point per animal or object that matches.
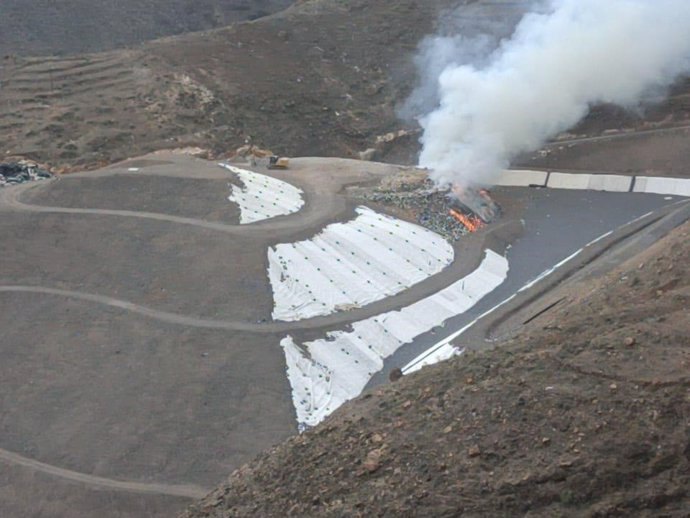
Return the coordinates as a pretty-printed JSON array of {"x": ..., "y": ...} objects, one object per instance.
[
  {"x": 317, "y": 79},
  {"x": 75, "y": 26},
  {"x": 585, "y": 413},
  {"x": 323, "y": 77}
]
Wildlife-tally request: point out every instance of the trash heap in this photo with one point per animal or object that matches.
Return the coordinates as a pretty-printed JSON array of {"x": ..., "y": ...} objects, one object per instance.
[
  {"x": 13, "y": 173},
  {"x": 415, "y": 193}
]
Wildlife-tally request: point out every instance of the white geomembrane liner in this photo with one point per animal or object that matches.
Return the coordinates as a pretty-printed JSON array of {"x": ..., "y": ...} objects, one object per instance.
[
  {"x": 263, "y": 197},
  {"x": 327, "y": 372},
  {"x": 352, "y": 264}
]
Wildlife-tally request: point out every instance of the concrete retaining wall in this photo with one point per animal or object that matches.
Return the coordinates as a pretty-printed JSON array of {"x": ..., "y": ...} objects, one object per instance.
[
  {"x": 656, "y": 185},
  {"x": 520, "y": 178},
  {"x": 593, "y": 182}
]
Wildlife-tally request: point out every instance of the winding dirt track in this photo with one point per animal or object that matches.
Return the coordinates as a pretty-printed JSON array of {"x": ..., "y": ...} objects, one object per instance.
[
  {"x": 427, "y": 287},
  {"x": 163, "y": 316},
  {"x": 617, "y": 136},
  {"x": 321, "y": 209},
  {"x": 186, "y": 491}
]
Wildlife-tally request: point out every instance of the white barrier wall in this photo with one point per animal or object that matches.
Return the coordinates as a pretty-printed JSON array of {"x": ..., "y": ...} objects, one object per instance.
[
  {"x": 352, "y": 264},
  {"x": 592, "y": 182},
  {"x": 657, "y": 185},
  {"x": 327, "y": 372},
  {"x": 595, "y": 182},
  {"x": 521, "y": 178},
  {"x": 263, "y": 197}
]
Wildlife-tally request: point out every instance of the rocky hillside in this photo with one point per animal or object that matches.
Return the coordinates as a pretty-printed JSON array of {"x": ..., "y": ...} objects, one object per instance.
[
  {"x": 586, "y": 413},
  {"x": 46, "y": 27},
  {"x": 324, "y": 77}
]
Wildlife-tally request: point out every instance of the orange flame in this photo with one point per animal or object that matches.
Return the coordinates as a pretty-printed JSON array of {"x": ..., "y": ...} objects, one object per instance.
[{"x": 471, "y": 223}]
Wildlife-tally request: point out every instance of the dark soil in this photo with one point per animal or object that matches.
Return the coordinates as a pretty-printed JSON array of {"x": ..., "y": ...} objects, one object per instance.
[
  {"x": 586, "y": 413},
  {"x": 202, "y": 199}
]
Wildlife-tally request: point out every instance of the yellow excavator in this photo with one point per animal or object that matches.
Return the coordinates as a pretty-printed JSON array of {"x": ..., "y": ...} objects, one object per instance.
[{"x": 278, "y": 162}]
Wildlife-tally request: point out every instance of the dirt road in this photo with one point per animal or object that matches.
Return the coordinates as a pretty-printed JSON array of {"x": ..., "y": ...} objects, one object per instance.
[{"x": 187, "y": 491}]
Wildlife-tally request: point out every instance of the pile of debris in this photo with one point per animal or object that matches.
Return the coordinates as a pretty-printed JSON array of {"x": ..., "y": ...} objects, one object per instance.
[
  {"x": 13, "y": 173},
  {"x": 385, "y": 144},
  {"x": 255, "y": 156},
  {"x": 450, "y": 214}
]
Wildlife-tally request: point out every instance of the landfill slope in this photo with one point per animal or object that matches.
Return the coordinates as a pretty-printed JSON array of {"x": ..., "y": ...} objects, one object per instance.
[{"x": 585, "y": 413}]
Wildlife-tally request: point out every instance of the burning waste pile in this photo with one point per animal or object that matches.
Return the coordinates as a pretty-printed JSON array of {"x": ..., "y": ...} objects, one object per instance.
[
  {"x": 13, "y": 173},
  {"x": 484, "y": 96},
  {"x": 451, "y": 213}
]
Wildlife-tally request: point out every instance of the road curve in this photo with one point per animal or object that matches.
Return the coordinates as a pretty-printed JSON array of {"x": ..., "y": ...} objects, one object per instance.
[
  {"x": 427, "y": 287},
  {"x": 185, "y": 491},
  {"x": 323, "y": 204},
  {"x": 616, "y": 136},
  {"x": 320, "y": 208},
  {"x": 163, "y": 316}
]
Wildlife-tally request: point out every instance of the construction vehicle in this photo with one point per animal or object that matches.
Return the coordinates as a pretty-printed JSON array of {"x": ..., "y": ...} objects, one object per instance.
[{"x": 278, "y": 162}]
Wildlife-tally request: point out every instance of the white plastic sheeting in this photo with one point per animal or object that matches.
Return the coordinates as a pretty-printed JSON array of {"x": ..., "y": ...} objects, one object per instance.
[
  {"x": 263, "y": 197},
  {"x": 352, "y": 264},
  {"x": 440, "y": 353},
  {"x": 657, "y": 185},
  {"x": 327, "y": 372}
]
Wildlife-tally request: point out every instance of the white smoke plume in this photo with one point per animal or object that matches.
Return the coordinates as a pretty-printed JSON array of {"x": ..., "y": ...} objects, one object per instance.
[
  {"x": 544, "y": 78},
  {"x": 466, "y": 35}
]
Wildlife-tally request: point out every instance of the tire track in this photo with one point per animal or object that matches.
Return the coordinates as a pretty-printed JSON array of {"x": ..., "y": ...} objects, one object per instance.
[
  {"x": 318, "y": 210},
  {"x": 10, "y": 199},
  {"x": 617, "y": 136},
  {"x": 426, "y": 288},
  {"x": 184, "y": 491},
  {"x": 163, "y": 316}
]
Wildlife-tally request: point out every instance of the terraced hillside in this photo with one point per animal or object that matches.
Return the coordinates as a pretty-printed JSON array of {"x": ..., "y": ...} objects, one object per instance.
[
  {"x": 75, "y": 26},
  {"x": 80, "y": 109},
  {"x": 323, "y": 77}
]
